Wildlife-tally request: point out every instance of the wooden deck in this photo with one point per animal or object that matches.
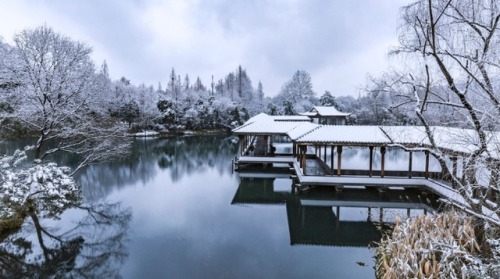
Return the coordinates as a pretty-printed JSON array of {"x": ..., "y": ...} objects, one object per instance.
[
  {"x": 264, "y": 160},
  {"x": 432, "y": 185}
]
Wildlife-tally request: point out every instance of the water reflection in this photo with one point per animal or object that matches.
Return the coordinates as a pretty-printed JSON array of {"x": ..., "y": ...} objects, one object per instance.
[
  {"x": 180, "y": 157},
  {"x": 324, "y": 216},
  {"x": 93, "y": 247},
  {"x": 184, "y": 225}
]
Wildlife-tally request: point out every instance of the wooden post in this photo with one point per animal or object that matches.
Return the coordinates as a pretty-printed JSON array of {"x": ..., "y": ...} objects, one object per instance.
[
  {"x": 294, "y": 152},
  {"x": 299, "y": 157},
  {"x": 454, "y": 160},
  {"x": 331, "y": 160},
  {"x": 382, "y": 165},
  {"x": 339, "y": 160},
  {"x": 266, "y": 138},
  {"x": 410, "y": 164},
  {"x": 324, "y": 155},
  {"x": 463, "y": 169},
  {"x": 304, "y": 159},
  {"x": 492, "y": 193},
  {"x": 240, "y": 137},
  {"x": 371, "y": 161},
  {"x": 426, "y": 164}
]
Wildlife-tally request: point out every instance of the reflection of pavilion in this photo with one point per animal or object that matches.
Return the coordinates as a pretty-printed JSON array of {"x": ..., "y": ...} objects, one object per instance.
[{"x": 315, "y": 217}]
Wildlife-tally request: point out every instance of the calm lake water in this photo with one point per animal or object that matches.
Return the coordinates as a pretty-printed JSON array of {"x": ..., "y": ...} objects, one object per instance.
[{"x": 174, "y": 209}]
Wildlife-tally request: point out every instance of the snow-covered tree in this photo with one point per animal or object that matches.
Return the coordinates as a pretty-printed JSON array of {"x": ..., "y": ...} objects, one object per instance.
[
  {"x": 198, "y": 85},
  {"x": 35, "y": 188},
  {"x": 298, "y": 92},
  {"x": 327, "y": 100},
  {"x": 451, "y": 47},
  {"x": 59, "y": 96}
]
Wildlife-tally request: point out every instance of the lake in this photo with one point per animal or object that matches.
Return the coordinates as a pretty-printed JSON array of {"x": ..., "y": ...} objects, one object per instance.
[{"x": 175, "y": 209}]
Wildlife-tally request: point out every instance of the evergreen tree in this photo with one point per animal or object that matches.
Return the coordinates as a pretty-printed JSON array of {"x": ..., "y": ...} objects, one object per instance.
[
  {"x": 328, "y": 100},
  {"x": 187, "y": 84}
]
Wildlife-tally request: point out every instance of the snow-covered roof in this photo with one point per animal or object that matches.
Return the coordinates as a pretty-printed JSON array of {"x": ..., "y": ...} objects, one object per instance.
[
  {"x": 324, "y": 111},
  {"x": 290, "y": 118},
  {"x": 452, "y": 139},
  {"x": 264, "y": 124},
  {"x": 342, "y": 134},
  {"x": 268, "y": 127},
  {"x": 302, "y": 129}
]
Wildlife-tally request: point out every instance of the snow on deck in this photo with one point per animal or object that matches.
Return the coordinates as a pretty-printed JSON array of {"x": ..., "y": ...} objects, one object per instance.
[{"x": 257, "y": 160}]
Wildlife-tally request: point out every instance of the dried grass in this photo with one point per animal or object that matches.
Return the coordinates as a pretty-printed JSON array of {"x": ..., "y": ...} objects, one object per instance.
[{"x": 439, "y": 246}]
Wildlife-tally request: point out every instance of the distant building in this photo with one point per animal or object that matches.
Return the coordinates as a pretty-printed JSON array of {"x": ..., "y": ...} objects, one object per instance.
[{"x": 326, "y": 115}]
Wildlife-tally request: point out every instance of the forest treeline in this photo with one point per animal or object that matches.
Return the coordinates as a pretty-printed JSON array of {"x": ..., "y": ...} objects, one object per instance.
[{"x": 48, "y": 82}]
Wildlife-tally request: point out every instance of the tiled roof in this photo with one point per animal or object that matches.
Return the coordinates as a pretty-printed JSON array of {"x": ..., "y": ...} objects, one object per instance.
[
  {"x": 302, "y": 129},
  {"x": 329, "y": 111},
  {"x": 269, "y": 127},
  {"x": 345, "y": 134}
]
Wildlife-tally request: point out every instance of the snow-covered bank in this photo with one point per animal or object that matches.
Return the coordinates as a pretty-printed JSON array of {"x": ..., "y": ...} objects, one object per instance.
[{"x": 146, "y": 134}]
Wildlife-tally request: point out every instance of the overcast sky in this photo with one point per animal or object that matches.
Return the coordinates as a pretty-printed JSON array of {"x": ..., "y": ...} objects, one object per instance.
[{"x": 337, "y": 41}]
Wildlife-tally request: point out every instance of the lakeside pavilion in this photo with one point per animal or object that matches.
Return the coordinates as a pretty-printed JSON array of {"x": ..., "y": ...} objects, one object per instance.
[
  {"x": 326, "y": 115},
  {"x": 316, "y": 152}
]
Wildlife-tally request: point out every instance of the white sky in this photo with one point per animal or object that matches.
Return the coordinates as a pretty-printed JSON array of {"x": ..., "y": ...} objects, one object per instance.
[{"x": 337, "y": 41}]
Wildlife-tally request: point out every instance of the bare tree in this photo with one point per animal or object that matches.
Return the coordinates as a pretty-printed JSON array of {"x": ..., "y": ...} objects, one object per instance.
[
  {"x": 454, "y": 68},
  {"x": 59, "y": 88}
]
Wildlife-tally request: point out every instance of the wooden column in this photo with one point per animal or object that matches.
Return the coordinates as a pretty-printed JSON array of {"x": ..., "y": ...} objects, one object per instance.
[
  {"x": 492, "y": 192},
  {"x": 463, "y": 169},
  {"x": 382, "y": 165},
  {"x": 266, "y": 139},
  {"x": 294, "y": 151},
  {"x": 324, "y": 155},
  {"x": 371, "y": 161},
  {"x": 410, "y": 164},
  {"x": 339, "y": 160},
  {"x": 454, "y": 161},
  {"x": 304, "y": 159},
  {"x": 300, "y": 156},
  {"x": 331, "y": 160},
  {"x": 319, "y": 152},
  {"x": 426, "y": 164},
  {"x": 240, "y": 138}
]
